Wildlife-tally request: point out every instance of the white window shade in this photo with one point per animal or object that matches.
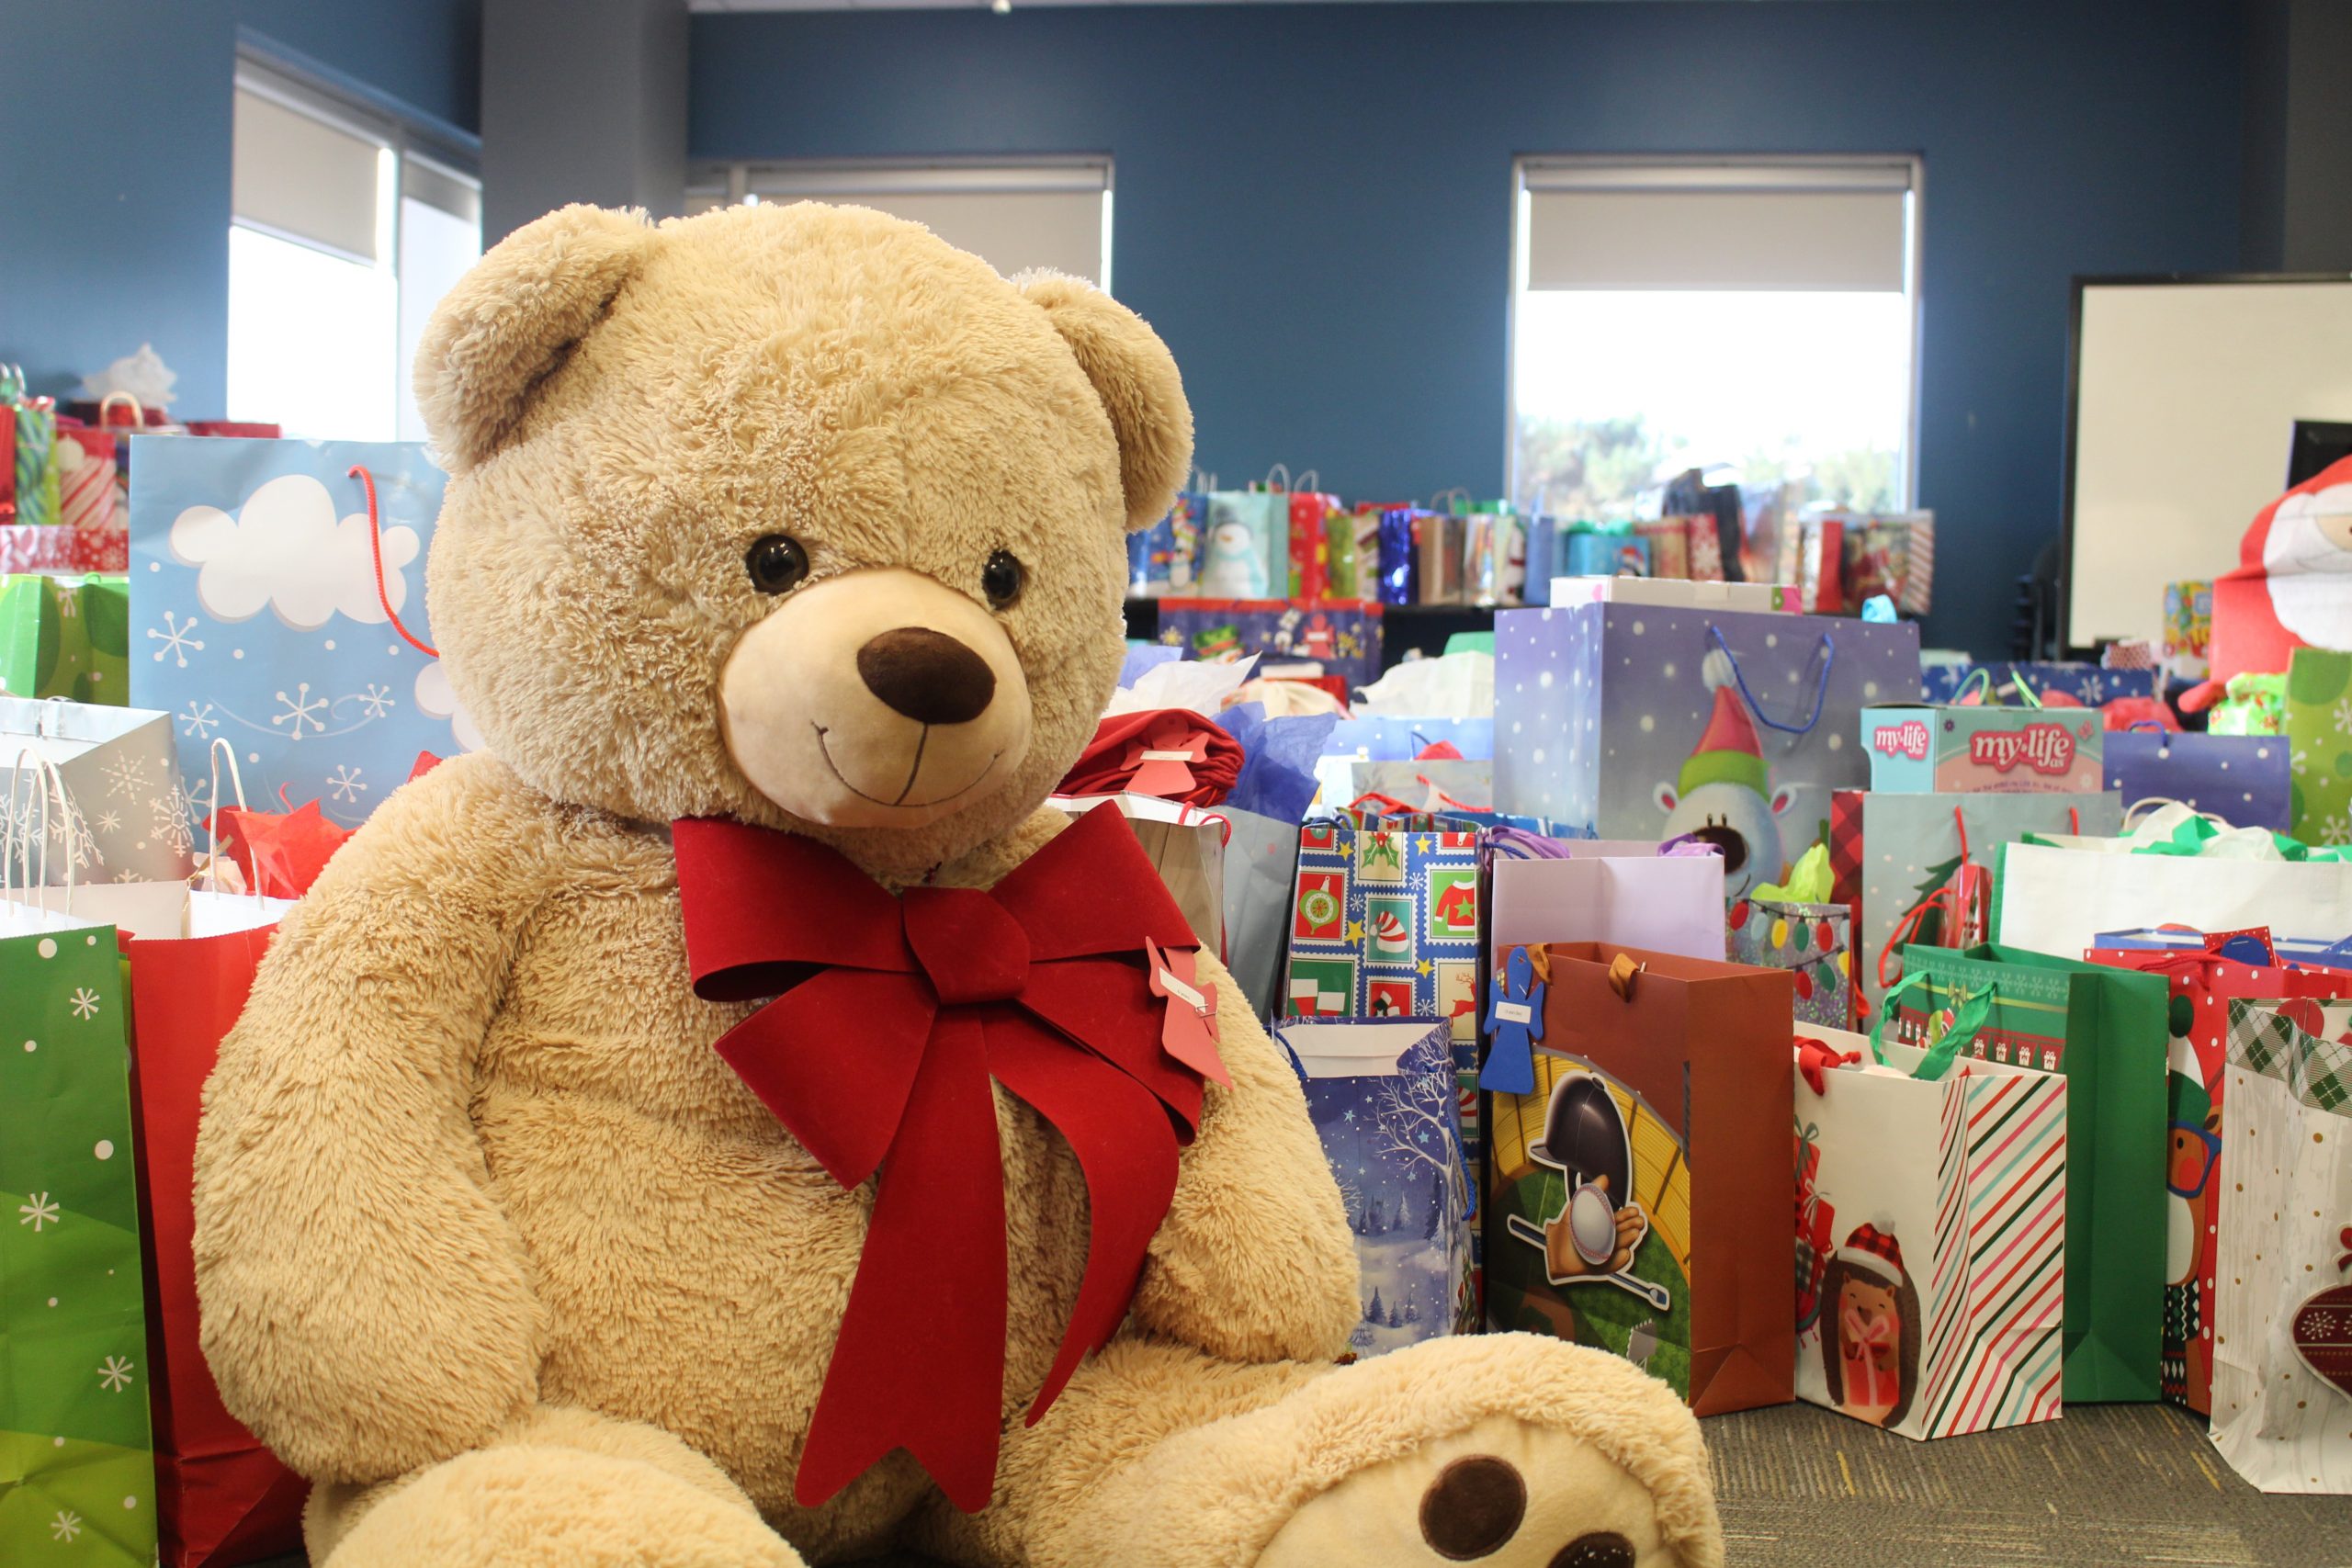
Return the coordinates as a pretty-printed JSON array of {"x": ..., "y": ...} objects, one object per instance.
[
  {"x": 1015, "y": 216},
  {"x": 1837, "y": 230},
  {"x": 300, "y": 177}
]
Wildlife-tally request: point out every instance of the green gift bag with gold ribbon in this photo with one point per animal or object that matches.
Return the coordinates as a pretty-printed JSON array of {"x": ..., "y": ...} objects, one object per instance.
[
  {"x": 2106, "y": 1031},
  {"x": 66, "y": 637},
  {"x": 77, "y": 1479}
]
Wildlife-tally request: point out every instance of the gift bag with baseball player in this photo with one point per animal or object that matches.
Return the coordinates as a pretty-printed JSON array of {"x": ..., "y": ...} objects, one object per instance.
[
  {"x": 2282, "y": 1351},
  {"x": 1380, "y": 1093},
  {"x": 1936, "y": 1247},
  {"x": 1633, "y": 1196}
]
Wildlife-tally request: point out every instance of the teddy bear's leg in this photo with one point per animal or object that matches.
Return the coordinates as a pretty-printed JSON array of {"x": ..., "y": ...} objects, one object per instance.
[
  {"x": 557, "y": 1487},
  {"x": 1506, "y": 1451}
]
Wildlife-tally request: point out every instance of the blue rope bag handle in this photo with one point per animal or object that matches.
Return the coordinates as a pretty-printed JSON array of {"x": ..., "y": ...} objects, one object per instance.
[{"x": 1740, "y": 677}]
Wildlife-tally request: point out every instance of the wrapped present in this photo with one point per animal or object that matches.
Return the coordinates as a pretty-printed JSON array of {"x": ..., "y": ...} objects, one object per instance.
[
  {"x": 2251, "y": 703},
  {"x": 2052, "y": 683},
  {"x": 2188, "y": 630},
  {"x": 1918, "y": 749},
  {"x": 1669, "y": 542},
  {"x": 1816, "y": 1220},
  {"x": 85, "y": 478},
  {"x": 1381, "y": 1095},
  {"x": 66, "y": 637}
]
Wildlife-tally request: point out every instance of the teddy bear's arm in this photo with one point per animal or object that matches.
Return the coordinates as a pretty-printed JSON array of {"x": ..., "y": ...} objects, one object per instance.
[
  {"x": 366, "y": 1306},
  {"x": 1254, "y": 1261}
]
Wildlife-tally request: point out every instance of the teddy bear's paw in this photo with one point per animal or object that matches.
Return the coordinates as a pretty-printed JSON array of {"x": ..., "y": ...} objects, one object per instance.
[
  {"x": 1503, "y": 1494},
  {"x": 541, "y": 1505}
]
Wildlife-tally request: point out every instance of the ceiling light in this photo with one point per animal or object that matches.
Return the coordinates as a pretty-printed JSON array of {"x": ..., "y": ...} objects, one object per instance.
[{"x": 1002, "y": 7}]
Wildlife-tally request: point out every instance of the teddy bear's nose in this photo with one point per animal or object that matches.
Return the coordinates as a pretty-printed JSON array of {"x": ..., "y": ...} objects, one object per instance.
[{"x": 927, "y": 675}]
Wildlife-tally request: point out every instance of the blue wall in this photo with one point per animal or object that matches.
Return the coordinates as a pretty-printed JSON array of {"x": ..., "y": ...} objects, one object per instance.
[
  {"x": 1314, "y": 201},
  {"x": 114, "y": 162}
]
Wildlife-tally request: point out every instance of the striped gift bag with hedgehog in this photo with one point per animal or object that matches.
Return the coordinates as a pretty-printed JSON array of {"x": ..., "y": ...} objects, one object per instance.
[{"x": 1940, "y": 1307}]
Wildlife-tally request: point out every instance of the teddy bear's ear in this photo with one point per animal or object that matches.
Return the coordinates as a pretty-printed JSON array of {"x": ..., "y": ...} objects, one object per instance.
[
  {"x": 1135, "y": 377},
  {"x": 511, "y": 321}
]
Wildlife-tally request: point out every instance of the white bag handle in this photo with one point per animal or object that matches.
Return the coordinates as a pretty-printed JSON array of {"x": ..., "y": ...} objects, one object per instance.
[
  {"x": 221, "y": 748},
  {"x": 48, "y": 783}
]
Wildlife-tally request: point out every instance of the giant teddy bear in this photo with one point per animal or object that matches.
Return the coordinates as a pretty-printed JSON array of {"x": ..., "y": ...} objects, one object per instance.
[{"x": 797, "y": 524}]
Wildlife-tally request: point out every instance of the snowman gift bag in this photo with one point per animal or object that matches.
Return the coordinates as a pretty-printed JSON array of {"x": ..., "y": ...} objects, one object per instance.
[
  {"x": 277, "y": 602},
  {"x": 2282, "y": 1348},
  {"x": 1382, "y": 1097},
  {"x": 1634, "y": 721}
]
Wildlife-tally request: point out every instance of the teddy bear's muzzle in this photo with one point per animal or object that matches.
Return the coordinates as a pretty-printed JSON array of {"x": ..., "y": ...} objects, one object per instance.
[{"x": 875, "y": 699}]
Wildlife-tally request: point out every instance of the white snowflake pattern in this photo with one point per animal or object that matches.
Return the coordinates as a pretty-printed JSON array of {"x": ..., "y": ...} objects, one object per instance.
[
  {"x": 2336, "y": 829},
  {"x": 127, "y": 776},
  {"x": 172, "y": 817},
  {"x": 115, "y": 1373},
  {"x": 69, "y": 606},
  {"x": 175, "y": 637},
  {"x": 344, "y": 783},
  {"x": 2343, "y": 716},
  {"x": 42, "y": 1210},
  {"x": 126, "y": 874},
  {"x": 84, "y": 1002},
  {"x": 299, "y": 710},
  {"x": 198, "y": 720},
  {"x": 377, "y": 701},
  {"x": 65, "y": 1526},
  {"x": 109, "y": 821}
]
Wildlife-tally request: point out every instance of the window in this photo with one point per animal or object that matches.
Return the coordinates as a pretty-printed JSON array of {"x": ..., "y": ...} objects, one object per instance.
[
  {"x": 1753, "y": 319},
  {"x": 344, "y": 237},
  {"x": 1048, "y": 213}
]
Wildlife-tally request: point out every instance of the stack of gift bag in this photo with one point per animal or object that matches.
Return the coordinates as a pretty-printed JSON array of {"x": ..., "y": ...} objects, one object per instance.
[{"x": 1576, "y": 943}]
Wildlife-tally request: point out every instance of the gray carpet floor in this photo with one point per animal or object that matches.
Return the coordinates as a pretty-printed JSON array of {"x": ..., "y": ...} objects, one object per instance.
[{"x": 2110, "y": 1486}]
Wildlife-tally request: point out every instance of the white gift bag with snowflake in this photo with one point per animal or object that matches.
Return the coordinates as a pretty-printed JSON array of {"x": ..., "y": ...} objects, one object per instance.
[
  {"x": 75, "y": 1444},
  {"x": 127, "y": 816}
]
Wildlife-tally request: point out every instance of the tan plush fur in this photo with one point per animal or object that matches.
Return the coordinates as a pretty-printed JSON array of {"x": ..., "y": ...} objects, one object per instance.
[{"x": 492, "y": 1244}]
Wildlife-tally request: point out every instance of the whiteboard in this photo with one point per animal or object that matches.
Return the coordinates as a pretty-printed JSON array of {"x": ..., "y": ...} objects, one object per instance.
[{"x": 2186, "y": 396}]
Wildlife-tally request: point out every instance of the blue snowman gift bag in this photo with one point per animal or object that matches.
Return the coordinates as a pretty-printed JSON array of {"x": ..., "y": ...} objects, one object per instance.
[
  {"x": 1382, "y": 1096},
  {"x": 255, "y": 614}
]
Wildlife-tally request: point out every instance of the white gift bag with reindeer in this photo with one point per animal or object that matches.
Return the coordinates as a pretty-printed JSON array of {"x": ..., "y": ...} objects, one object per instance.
[
  {"x": 1932, "y": 1198},
  {"x": 278, "y": 602},
  {"x": 127, "y": 815},
  {"x": 2282, "y": 1340},
  {"x": 1380, "y": 1093},
  {"x": 1629, "y": 721}
]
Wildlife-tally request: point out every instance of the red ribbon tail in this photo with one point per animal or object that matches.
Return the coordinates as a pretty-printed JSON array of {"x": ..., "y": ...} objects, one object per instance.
[
  {"x": 920, "y": 1362},
  {"x": 1127, "y": 1147}
]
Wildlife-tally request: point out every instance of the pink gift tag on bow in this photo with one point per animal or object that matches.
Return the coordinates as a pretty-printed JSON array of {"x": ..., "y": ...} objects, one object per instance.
[{"x": 1189, "y": 1033}]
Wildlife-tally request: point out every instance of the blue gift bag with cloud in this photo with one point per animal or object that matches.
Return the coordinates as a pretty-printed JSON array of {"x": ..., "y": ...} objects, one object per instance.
[{"x": 256, "y": 614}]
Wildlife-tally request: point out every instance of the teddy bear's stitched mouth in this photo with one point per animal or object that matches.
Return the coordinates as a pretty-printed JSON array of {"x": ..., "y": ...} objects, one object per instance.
[{"x": 902, "y": 803}]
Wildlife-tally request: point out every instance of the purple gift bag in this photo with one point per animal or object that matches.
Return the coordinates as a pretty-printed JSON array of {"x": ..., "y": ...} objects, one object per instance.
[
  {"x": 2242, "y": 779},
  {"x": 1636, "y": 722}
]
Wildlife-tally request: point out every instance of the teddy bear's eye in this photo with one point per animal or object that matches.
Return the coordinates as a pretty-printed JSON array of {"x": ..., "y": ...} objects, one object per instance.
[
  {"x": 776, "y": 563},
  {"x": 1001, "y": 578}
]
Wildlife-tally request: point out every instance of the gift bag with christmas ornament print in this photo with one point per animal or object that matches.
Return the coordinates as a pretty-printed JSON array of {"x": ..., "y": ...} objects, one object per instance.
[
  {"x": 1381, "y": 1095},
  {"x": 77, "y": 1478},
  {"x": 256, "y": 616},
  {"x": 1385, "y": 921},
  {"x": 1814, "y": 943},
  {"x": 2282, "y": 1345},
  {"x": 1932, "y": 1272}
]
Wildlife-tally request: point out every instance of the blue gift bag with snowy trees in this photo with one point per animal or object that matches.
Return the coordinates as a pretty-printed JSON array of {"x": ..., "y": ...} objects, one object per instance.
[
  {"x": 1381, "y": 1093},
  {"x": 255, "y": 614}
]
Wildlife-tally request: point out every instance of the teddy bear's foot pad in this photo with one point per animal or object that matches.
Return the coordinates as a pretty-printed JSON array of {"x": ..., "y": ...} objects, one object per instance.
[
  {"x": 534, "y": 1505},
  {"x": 1501, "y": 1495}
]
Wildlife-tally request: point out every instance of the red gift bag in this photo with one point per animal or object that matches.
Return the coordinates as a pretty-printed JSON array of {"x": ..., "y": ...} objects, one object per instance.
[{"x": 222, "y": 1498}]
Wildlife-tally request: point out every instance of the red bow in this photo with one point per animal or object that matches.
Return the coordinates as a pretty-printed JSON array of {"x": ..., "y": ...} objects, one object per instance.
[
  {"x": 893, "y": 1016},
  {"x": 1170, "y": 753}
]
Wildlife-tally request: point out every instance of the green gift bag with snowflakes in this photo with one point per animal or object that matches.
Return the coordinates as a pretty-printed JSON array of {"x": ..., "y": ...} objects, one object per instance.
[
  {"x": 77, "y": 1478},
  {"x": 66, "y": 637},
  {"x": 2319, "y": 730}
]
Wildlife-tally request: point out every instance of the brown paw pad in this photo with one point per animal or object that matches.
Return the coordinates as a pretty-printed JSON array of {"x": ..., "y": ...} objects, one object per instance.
[
  {"x": 1474, "y": 1508},
  {"x": 1602, "y": 1549}
]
